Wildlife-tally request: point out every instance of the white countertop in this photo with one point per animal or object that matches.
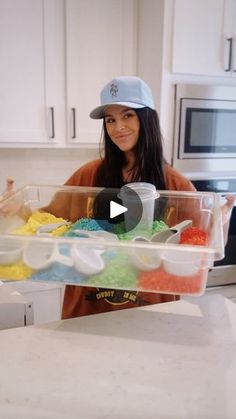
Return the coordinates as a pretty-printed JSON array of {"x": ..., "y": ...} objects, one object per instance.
[{"x": 173, "y": 360}]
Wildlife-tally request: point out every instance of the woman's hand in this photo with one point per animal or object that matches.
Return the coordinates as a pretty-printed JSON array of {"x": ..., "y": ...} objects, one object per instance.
[
  {"x": 226, "y": 211},
  {"x": 8, "y": 208},
  {"x": 9, "y": 188},
  {"x": 14, "y": 206}
]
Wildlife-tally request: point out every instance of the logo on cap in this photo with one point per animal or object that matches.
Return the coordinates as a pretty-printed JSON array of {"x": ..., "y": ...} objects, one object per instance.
[{"x": 114, "y": 90}]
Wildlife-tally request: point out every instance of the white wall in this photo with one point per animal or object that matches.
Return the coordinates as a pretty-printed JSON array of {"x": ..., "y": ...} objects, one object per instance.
[{"x": 40, "y": 166}]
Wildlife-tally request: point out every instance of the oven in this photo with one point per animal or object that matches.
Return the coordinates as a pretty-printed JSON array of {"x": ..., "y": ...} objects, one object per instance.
[
  {"x": 205, "y": 128},
  {"x": 224, "y": 271}
]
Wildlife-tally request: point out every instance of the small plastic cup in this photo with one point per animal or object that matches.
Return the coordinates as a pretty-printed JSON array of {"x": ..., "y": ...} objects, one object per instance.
[
  {"x": 42, "y": 255},
  {"x": 10, "y": 252},
  {"x": 181, "y": 263},
  {"x": 147, "y": 194},
  {"x": 145, "y": 259}
]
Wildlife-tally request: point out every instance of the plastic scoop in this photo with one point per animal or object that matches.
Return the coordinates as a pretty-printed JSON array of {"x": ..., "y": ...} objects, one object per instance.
[
  {"x": 97, "y": 234},
  {"x": 87, "y": 261},
  {"x": 171, "y": 235},
  {"x": 43, "y": 255},
  {"x": 48, "y": 228}
]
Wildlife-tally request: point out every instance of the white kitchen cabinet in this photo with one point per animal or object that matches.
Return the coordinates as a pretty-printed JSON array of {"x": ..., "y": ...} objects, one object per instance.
[
  {"x": 31, "y": 86},
  {"x": 100, "y": 44},
  {"x": 47, "y": 299},
  {"x": 204, "y": 37},
  {"x": 56, "y": 56}
]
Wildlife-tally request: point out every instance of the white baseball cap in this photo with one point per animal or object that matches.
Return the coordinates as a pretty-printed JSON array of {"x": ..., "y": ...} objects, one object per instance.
[{"x": 128, "y": 91}]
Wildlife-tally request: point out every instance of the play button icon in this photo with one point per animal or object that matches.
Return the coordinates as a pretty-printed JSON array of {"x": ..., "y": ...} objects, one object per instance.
[
  {"x": 116, "y": 209},
  {"x": 113, "y": 214}
]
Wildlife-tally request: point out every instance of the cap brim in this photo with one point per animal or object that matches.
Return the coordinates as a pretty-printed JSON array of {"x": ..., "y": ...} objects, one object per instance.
[{"x": 98, "y": 113}]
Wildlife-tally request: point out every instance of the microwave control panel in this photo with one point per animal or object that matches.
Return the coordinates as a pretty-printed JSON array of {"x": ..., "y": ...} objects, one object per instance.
[{"x": 216, "y": 185}]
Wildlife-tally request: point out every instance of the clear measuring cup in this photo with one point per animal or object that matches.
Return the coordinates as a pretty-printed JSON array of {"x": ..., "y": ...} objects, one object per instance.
[{"x": 147, "y": 194}]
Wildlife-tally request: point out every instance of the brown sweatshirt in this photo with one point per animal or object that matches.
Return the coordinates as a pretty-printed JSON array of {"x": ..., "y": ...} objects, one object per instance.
[{"x": 79, "y": 300}]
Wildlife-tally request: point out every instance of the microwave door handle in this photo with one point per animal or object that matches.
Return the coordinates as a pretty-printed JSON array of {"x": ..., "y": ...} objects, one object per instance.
[{"x": 228, "y": 54}]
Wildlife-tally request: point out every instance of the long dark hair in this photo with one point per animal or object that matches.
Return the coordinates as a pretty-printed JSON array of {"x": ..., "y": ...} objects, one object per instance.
[{"x": 149, "y": 162}]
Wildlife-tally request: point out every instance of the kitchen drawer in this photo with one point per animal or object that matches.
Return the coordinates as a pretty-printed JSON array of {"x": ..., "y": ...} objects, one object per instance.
[{"x": 47, "y": 299}]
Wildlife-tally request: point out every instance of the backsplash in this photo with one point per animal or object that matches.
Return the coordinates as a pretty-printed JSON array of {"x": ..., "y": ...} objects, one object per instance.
[{"x": 42, "y": 166}]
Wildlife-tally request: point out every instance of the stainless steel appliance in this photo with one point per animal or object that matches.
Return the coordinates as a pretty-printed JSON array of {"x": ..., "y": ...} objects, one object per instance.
[{"x": 205, "y": 128}]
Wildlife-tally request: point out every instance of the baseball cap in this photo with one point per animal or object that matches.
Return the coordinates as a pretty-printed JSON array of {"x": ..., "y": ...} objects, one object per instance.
[{"x": 128, "y": 91}]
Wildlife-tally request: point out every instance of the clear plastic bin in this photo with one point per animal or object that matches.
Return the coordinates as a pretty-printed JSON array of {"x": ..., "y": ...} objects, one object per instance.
[{"x": 64, "y": 240}]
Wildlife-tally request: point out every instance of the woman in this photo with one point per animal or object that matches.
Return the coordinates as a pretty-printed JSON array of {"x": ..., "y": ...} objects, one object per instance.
[{"x": 132, "y": 152}]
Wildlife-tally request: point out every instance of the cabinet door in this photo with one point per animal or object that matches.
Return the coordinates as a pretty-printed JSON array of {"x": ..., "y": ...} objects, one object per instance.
[
  {"x": 230, "y": 35},
  {"x": 29, "y": 80},
  {"x": 100, "y": 44},
  {"x": 198, "y": 37},
  {"x": 46, "y": 297}
]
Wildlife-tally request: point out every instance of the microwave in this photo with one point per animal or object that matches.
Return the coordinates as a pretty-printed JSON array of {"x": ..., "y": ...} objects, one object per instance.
[{"x": 205, "y": 127}]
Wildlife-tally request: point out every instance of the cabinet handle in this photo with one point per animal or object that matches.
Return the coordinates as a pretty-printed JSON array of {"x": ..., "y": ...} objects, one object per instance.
[
  {"x": 73, "y": 123},
  {"x": 234, "y": 55},
  {"x": 52, "y": 123},
  {"x": 228, "y": 54}
]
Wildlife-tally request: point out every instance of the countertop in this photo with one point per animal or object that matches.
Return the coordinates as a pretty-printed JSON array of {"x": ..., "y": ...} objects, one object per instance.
[{"x": 173, "y": 360}]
